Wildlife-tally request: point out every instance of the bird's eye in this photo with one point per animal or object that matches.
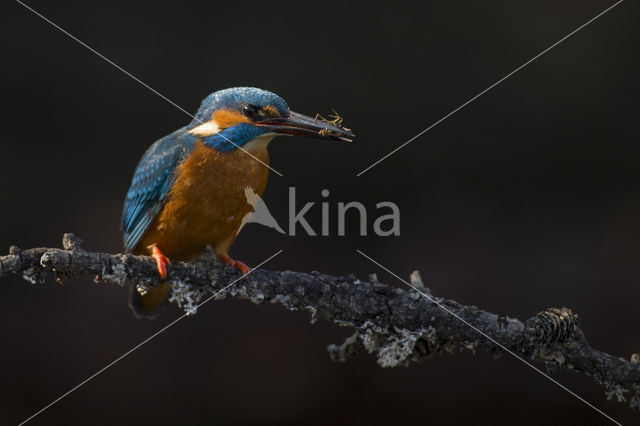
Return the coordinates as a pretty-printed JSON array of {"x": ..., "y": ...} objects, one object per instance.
[{"x": 250, "y": 110}]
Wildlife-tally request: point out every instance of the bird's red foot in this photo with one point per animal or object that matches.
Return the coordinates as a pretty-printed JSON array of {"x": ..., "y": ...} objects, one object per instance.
[
  {"x": 162, "y": 261},
  {"x": 244, "y": 269}
]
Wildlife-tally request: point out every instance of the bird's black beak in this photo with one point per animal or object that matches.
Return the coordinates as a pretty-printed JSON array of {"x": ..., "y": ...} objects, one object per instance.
[{"x": 301, "y": 125}]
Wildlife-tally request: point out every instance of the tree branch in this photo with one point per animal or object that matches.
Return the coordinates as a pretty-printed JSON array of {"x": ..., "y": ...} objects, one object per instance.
[{"x": 397, "y": 326}]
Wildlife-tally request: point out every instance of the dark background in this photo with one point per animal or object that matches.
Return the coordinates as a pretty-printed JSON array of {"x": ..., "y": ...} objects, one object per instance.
[{"x": 527, "y": 198}]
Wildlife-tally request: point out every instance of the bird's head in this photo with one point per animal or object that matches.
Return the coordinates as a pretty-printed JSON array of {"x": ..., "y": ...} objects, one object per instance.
[{"x": 232, "y": 117}]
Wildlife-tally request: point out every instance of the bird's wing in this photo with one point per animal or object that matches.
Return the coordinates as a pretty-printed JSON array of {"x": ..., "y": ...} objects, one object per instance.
[{"x": 151, "y": 183}]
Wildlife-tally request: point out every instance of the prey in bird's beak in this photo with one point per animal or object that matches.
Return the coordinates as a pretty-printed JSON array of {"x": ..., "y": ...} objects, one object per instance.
[{"x": 301, "y": 125}]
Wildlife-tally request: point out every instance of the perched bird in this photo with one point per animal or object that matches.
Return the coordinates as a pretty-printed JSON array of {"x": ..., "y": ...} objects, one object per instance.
[{"x": 188, "y": 190}]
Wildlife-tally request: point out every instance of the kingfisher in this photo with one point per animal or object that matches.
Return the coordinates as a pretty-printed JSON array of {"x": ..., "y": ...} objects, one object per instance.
[{"x": 189, "y": 188}]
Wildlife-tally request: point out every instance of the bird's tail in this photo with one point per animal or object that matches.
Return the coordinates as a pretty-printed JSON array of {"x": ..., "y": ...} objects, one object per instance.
[{"x": 150, "y": 304}]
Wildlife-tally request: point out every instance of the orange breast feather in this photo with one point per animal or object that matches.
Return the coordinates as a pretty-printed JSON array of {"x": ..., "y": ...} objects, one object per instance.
[{"x": 207, "y": 201}]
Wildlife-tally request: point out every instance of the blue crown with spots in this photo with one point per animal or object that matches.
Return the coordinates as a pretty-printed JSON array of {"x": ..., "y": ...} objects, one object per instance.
[{"x": 234, "y": 98}]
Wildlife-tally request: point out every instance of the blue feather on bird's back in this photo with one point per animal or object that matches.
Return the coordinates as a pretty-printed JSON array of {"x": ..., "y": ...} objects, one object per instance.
[{"x": 151, "y": 182}]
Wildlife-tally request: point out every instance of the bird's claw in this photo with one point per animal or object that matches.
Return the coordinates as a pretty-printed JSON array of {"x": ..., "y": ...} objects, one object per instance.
[
  {"x": 162, "y": 261},
  {"x": 244, "y": 269}
]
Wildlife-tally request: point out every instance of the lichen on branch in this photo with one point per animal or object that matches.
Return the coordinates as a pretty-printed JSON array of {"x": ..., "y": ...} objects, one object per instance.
[{"x": 397, "y": 326}]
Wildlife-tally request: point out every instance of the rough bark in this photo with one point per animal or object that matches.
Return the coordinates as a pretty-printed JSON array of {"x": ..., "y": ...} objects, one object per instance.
[{"x": 397, "y": 326}]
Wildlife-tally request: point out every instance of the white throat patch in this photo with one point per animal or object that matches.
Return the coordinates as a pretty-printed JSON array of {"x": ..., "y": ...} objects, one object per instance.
[{"x": 260, "y": 142}]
